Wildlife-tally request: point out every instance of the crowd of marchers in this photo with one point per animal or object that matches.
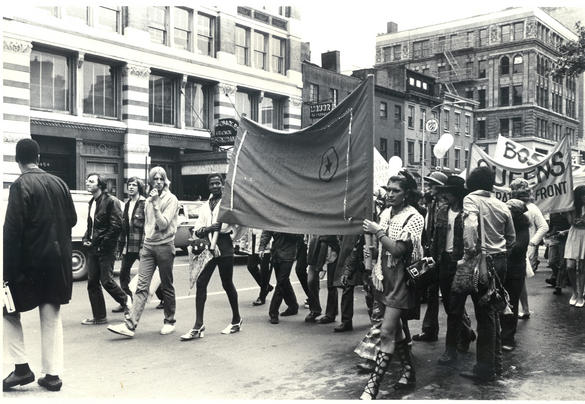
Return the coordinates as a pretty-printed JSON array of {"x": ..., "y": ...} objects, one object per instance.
[{"x": 453, "y": 221}]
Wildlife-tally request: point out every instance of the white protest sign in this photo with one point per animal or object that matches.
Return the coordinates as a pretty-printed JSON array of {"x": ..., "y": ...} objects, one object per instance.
[
  {"x": 381, "y": 170},
  {"x": 550, "y": 180},
  {"x": 515, "y": 155}
]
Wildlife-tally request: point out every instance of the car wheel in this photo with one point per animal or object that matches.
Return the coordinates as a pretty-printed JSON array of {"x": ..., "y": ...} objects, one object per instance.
[{"x": 79, "y": 263}]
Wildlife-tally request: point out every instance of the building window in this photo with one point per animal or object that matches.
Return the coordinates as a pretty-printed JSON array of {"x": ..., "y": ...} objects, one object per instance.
[
  {"x": 410, "y": 146},
  {"x": 518, "y": 31},
  {"x": 313, "y": 92},
  {"x": 243, "y": 45},
  {"x": 260, "y": 40},
  {"x": 518, "y": 64},
  {"x": 161, "y": 104},
  {"x": 421, "y": 49},
  {"x": 205, "y": 35},
  {"x": 466, "y": 156},
  {"x": 481, "y": 98},
  {"x": 467, "y": 124},
  {"x": 446, "y": 120},
  {"x": 271, "y": 112},
  {"x": 421, "y": 120},
  {"x": 398, "y": 148},
  {"x": 397, "y": 52},
  {"x": 457, "y": 158},
  {"x": 333, "y": 96},
  {"x": 49, "y": 81},
  {"x": 278, "y": 52},
  {"x": 108, "y": 18},
  {"x": 247, "y": 104},
  {"x": 383, "y": 110},
  {"x": 470, "y": 39},
  {"x": 481, "y": 71},
  {"x": 506, "y": 33},
  {"x": 469, "y": 94},
  {"x": 78, "y": 13},
  {"x": 504, "y": 127},
  {"x": 433, "y": 158},
  {"x": 446, "y": 159},
  {"x": 99, "y": 89},
  {"x": 397, "y": 112},
  {"x": 157, "y": 24},
  {"x": 504, "y": 65},
  {"x": 457, "y": 122},
  {"x": 504, "y": 96},
  {"x": 384, "y": 148},
  {"x": 516, "y": 127},
  {"x": 483, "y": 37},
  {"x": 411, "y": 117},
  {"x": 517, "y": 95},
  {"x": 481, "y": 134},
  {"x": 182, "y": 32},
  {"x": 197, "y": 102},
  {"x": 392, "y": 53}
]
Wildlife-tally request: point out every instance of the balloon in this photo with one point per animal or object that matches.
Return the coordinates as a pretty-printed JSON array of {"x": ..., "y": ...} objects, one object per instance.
[
  {"x": 395, "y": 162},
  {"x": 439, "y": 151},
  {"x": 443, "y": 145},
  {"x": 447, "y": 138}
]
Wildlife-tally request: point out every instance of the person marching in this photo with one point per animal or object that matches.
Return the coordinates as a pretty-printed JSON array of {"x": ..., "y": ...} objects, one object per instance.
[
  {"x": 205, "y": 226},
  {"x": 282, "y": 253},
  {"x": 160, "y": 226},
  {"x": 132, "y": 235},
  {"x": 37, "y": 265},
  {"x": 575, "y": 248},
  {"x": 399, "y": 245},
  {"x": 104, "y": 223}
]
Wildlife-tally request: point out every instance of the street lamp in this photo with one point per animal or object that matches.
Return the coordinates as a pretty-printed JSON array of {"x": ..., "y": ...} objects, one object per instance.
[{"x": 422, "y": 166}]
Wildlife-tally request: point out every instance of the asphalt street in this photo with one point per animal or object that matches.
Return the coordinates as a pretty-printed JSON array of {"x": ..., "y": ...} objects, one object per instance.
[{"x": 294, "y": 359}]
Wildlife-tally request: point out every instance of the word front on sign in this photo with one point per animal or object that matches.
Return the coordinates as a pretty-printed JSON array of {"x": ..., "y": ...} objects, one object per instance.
[{"x": 320, "y": 110}]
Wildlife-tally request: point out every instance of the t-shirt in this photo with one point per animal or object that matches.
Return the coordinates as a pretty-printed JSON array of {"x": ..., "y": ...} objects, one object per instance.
[{"x": 450, "y": 230}]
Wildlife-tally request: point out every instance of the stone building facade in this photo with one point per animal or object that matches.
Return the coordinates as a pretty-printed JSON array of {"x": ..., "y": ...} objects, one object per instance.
[{"x": 116, "y": 90}]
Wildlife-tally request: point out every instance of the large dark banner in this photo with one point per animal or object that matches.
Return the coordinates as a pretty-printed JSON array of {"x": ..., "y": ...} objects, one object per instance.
[{"x": 317, "y": 180}]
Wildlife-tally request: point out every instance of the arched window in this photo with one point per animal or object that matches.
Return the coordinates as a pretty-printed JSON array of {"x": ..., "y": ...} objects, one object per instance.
[
  {"x": 518, "y": 64},
  {"x": 505, "y": 65}
]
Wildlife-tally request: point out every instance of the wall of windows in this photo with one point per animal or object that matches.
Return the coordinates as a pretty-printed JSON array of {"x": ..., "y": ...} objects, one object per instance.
[{"x": 49, "y": 81}]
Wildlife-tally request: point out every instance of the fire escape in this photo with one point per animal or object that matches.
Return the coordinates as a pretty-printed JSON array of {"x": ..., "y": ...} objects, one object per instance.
[{"x": 456, "y": 71}]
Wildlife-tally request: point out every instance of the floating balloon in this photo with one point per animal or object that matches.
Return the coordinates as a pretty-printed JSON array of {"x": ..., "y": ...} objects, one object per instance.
[
  {"x": 394, "y": 165},
  {"x": 443, "y": 145}
]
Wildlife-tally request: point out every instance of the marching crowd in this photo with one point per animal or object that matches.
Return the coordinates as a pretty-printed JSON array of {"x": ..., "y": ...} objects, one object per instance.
[{"x": 467, "y": 242}]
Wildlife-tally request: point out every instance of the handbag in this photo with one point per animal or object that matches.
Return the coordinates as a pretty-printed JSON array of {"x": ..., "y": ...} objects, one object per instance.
[
  {"x": 471, "y": 271},
  {"x": 422, "y": 273},
  {"x": 497, "y": 296}
]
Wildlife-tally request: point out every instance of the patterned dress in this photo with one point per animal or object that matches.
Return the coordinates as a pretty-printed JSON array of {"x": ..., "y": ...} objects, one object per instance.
[{"x": 406, "y": 226}]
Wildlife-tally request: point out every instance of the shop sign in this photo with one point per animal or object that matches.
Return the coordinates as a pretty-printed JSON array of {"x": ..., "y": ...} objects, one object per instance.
[
  {"x": 319, "y": 110},
  {"x": 225, "y": 132}
]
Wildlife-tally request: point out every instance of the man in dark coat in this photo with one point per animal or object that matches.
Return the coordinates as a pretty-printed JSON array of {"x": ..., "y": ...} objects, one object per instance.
[
  {"x": 104, "y": 223},
  {"x": 37, "y": 264}
]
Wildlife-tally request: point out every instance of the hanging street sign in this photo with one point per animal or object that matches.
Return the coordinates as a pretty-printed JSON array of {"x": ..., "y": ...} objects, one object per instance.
[
  {"x": 432, "y": 125},
  {"x": 225, "y": 132}
]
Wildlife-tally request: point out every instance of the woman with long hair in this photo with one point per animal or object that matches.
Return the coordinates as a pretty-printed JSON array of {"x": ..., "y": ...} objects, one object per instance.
[
  {"x": 575, "y": 247},
  {"x": 399, "y": 244}
]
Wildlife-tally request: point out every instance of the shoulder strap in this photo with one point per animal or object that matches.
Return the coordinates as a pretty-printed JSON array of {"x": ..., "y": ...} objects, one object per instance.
[
  {"x": 407, "y": 219},
  {"x": 481, "y": 228}
]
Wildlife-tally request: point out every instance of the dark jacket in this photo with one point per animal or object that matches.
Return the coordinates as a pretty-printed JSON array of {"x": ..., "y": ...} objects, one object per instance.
[
  {"x": 284, "y": 245},
  {"x": 318, "y": 247},
  {"x": 37, "y": 240},
  {"x": 350, "y": 261},
  {"x": 132, "y": 232},
  {"x": 440, "y": 235},
  {"x": 517, "y": 256},
  {"x": 107, "y": 226}
]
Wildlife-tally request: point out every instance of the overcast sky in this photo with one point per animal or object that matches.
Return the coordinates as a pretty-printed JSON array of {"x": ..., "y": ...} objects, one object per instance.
[{"x": 351, "y": 26}]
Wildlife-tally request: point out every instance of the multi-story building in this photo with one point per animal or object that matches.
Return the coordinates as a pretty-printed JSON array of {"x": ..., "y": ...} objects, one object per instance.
[
  {"x": 501, "y": 60},
  {"x": 116, "y": 90},
  {"x": 403, "y": 100}
]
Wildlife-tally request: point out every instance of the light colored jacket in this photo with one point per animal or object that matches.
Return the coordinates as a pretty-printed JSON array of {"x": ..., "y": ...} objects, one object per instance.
[
  {"x": 207, "y": 218},
  {"x": 497, "y": 223},
  {"x": 538, "y": 226}
]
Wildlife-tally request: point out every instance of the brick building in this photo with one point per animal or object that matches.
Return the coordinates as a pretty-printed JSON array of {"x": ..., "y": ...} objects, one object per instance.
[
  {"x": 501, "y": 61},
  {"x": 116, "y": 90}
]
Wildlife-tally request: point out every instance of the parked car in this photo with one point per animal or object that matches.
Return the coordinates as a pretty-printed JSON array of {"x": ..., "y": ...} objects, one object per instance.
[{"x": 187, "y": 217}]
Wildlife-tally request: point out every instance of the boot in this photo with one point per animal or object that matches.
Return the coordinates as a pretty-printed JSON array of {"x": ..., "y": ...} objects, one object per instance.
[
  {"x": 382, "y": 363},
  {"x": 407, "y": 375},
  {"x": 449, "y": 356}
]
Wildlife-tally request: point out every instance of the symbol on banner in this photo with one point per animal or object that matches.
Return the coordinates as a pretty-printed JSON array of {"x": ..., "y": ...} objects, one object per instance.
[
  {"x": 432, "y": 125},
  {"x": 329, "y": 165}
]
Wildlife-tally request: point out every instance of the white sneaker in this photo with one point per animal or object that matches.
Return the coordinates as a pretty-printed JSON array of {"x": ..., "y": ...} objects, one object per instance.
[
  {"x": 167, "y": 329},
  {"x": 121, "y": 329}
]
